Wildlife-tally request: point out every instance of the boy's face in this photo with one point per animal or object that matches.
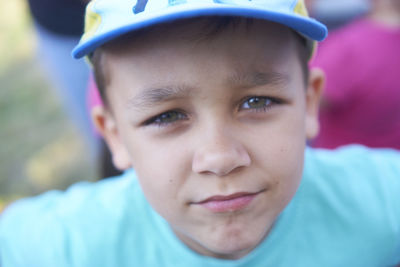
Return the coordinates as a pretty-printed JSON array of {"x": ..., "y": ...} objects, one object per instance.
[{"x": 215, "y": 129}]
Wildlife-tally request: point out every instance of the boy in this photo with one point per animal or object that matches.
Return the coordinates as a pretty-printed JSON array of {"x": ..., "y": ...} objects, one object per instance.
[{"x": 211, "y": 104}]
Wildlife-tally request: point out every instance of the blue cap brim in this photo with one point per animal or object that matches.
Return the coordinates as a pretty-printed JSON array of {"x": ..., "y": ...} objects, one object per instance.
[{"x": 306, "y": 26}]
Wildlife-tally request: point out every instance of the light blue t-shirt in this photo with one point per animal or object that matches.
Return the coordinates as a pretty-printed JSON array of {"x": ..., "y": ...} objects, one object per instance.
[{"x": 346, "y": 212}]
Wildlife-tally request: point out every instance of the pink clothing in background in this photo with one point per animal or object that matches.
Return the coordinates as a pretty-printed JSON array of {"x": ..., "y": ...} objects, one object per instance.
[
  {"x": 93, "y": 97},
  {"x": 362, "y": 64}
]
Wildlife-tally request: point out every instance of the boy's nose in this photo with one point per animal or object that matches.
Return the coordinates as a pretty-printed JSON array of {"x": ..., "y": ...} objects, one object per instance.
[{"x": 220, "y": 154}]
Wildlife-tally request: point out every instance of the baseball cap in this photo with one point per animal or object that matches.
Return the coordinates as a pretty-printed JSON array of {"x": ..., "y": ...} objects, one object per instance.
[{"x": 106, "y": 20}]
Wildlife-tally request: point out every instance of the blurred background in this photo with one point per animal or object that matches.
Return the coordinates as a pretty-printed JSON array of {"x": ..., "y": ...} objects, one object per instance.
[{"x": 40, "y": 147}]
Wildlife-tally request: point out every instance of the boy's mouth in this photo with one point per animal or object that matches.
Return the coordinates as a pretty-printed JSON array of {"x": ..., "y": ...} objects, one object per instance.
[{"x": 229, "y": 203}]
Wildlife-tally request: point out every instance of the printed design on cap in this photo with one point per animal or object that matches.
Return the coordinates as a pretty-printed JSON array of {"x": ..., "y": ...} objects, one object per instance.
[
  {"x": 280, "y": 4},
  {"x": 92, "y": 21},
  {"x": 140, "y": 6},
  {"x": 296, "y": 6},
  {"x": 300, "y": 8},
  {"x": 176, "y": 2}
]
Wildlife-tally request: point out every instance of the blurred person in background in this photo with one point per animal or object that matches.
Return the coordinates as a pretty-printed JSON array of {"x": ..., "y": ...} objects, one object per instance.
[
  {"x": 361, "y": 103},
  {"x": 59, "y": 24}
]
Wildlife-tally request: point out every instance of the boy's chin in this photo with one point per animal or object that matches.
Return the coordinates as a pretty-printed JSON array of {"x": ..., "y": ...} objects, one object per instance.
[
  {"x": 233, "y": 248},
  {"x": 234, "y": 251},
  {"x": 226, "y": 245}
]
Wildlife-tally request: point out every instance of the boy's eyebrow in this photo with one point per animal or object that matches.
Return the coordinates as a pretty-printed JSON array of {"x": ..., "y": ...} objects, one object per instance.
[
  {"x": 150, "y": 96},
  {"x": 257, "y": 78}
]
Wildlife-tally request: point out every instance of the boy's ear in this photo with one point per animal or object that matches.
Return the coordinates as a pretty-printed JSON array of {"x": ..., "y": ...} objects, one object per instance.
[
  {"x": 314, "y": 91},
  {"x": 106, "y": 125}
]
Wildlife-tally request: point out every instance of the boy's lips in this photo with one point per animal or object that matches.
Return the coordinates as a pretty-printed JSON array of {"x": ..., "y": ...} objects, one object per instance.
[{"x": 229, "y": 203}]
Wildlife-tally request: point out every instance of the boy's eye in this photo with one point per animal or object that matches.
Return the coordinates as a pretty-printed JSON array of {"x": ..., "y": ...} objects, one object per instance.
[
  {"x": 257, "y": 103},
  {"x": 166, "y": 118}
]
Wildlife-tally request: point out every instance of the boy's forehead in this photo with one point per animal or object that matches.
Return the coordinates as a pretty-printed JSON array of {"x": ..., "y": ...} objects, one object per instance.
[
  {"x": 254, "y": 49},
  {"x": 244, "y": 55}
]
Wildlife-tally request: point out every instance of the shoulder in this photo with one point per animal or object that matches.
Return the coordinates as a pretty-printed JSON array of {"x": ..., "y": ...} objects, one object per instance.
[
  {"x": 55, "y": 223},
  {"x": 354, "y": 192},
  {"x": 357, "y": 169},
  {"x": 358, "y": 160},
  {"x": 106, "y": 195}
]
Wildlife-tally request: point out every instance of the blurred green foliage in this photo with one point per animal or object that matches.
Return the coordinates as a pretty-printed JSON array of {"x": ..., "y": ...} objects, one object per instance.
[{"x": 40, "y": 149}]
